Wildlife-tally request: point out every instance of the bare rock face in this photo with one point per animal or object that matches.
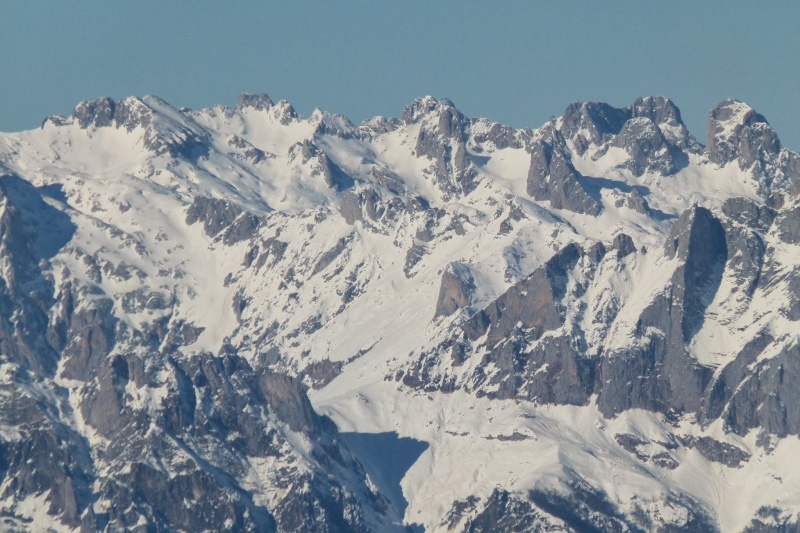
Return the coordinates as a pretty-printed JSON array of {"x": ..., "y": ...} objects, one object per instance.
[
  {"x": 356, "y": 205},
  {"x": 647, "y": 148},
  {"x": 334, "y": 176},
  {"x": 377, "y": 211},
  {"x": 442, "y": 138},
  {"x": 27, "y": 337},
  {"x": 737, "y": 133},
  {"x": 332, "y": 254},
  {"x": 592, "y": 123},
  {"x": 624, "y": 245},
  {"x": 788, "y": 223},
  {"x": 532, "y": 304},
  {"x": 661, "y": 375},
  {"x": 665, "y": 114},
  {"x": 553, "y": 177},
  {"x": 220, "y": 215},
  {"x": 98, "y": 113},
  {"x": 215, "y": 417},
  {"x": 749, "y": 213},
  {"x": 257, "y": 101},
  {"x": 455, "y": 292}
]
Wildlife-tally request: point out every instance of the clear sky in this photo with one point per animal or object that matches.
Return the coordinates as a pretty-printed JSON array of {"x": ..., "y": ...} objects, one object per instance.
[{"x": 517, "y": 62}]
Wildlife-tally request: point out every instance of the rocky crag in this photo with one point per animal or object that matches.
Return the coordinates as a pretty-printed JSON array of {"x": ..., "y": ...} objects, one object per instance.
[{"x": 245, "y": 319}]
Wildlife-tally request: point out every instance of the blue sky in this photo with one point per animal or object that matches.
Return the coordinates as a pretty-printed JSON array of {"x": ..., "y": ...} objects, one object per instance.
[{"x": 512, "y": 61}]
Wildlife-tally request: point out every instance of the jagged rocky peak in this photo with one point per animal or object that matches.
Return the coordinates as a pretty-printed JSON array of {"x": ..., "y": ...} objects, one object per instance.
[
  {"x": 375, "y": 126},
  {"x": 257, "y": 101},
  {"x": 331, "y": 124},
  {"x": 597, "y": 124},
  {"x": 448, "y": 120},
  {"x": 284, "y": 112},
  {"x": 167, "y": 130},
  {"x": 131, "y": 113},
  {"x": 418, "y": 109},
  {"x": 498, "y": 136},
  {"x": 442, "y": 138},
  {"x": 737, "y": 132},
  {"x": 666, "y": 115},
  {"x": 659, "y": 109},
  {"x": 592, "y": 123},
  {"x": 647, "y": 149},
  {"x": 97, "y": 113},
  {"x": 128, "y": 113}
]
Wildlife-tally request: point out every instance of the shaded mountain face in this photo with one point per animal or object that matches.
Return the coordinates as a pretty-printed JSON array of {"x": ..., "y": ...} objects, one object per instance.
[{"x": 245, "y": 319}]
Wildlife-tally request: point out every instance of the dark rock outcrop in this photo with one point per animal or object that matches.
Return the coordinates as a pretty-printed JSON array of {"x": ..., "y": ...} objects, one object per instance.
[
  {"x": 531, "y": 305},
  {"x": 442, "y": 138},
  {"x": 456, "y": 290},
  {"x": 257, "y": 101},
  {"x": 218, "y": 215},
  {"x": 647, "y": 148},
  {"x": 660, "y": 375},
  {"x": 665, "y": 114},
  {"x": 553, "y": 177},
  {"x": 98, "y": 113},
  {"x": 592, "y": 123},
  {"x": 624, "y": 245},
  {"x": 737, "y": 133}
]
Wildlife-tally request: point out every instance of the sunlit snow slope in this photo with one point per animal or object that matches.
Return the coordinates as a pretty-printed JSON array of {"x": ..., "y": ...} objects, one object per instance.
[{"x": 592, "y": 324}]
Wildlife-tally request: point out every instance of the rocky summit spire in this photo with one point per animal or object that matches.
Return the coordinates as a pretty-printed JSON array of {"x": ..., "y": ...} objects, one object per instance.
[
  {"x": 737, "y": 132},
  {"x": 258, "y": 101}
]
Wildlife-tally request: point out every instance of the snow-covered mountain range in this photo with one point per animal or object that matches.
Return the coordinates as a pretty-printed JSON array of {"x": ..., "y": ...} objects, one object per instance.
[{"x": 244, "y": 319}]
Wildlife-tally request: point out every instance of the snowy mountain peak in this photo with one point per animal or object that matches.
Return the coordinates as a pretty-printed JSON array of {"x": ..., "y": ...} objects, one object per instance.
[
  {"x": 736, "y": 132},
  {"x": 258, "y": 101},
  {"x": 424, "y": 106},
  {"x": 331, "y": 124},
  {"x": 592, "y": 322},
  {"x": 98, "y": 113},
  {"x": 735, "y": 129}
]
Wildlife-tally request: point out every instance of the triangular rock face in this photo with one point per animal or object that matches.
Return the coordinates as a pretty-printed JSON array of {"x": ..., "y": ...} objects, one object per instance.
[
  {"x": 662, "y": 375},
  {"x": 553, "y": 177},
  {"x": 531, "y": 305},
  {"x": 456, "y": 290}
]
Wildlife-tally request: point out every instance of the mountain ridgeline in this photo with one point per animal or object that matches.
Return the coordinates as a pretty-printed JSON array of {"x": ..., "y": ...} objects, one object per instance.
[{"x": 244, "y": 319}]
